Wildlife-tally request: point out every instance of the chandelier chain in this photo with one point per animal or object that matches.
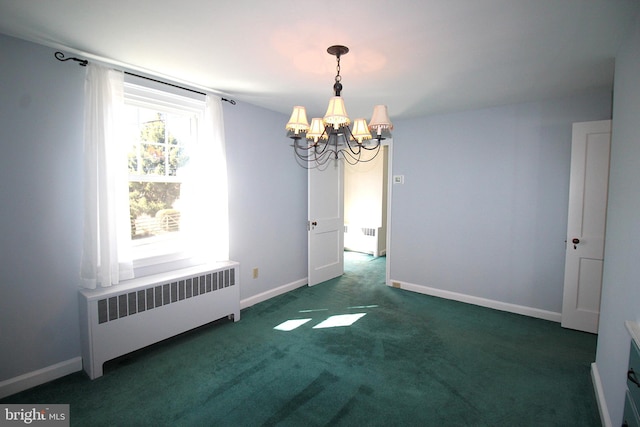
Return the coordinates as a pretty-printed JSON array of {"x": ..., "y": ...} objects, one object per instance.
[{"x": 338, "y": 76}]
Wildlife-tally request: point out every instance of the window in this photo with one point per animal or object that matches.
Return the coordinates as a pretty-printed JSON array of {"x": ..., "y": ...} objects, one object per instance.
[
  {"x": 155, "y": 178},
  {"x": 161, "y": 132},
  {"x": 169, "y": 156}
]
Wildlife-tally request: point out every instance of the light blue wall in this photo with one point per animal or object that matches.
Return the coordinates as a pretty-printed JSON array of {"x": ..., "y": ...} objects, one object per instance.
[
  {"x": 621, "y": 282},
  {"x": 268, "y": 200},
  {"x": 483, "y": 210},
  {"x": 40, "y": 214},
  {"x": 41, "y": 118}
]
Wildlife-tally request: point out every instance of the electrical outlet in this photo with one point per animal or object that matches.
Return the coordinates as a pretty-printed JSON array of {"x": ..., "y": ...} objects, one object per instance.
[{"x": 255, "y": 273}]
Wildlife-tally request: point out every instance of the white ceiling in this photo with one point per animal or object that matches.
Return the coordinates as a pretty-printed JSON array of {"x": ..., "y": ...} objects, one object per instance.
[{"x": 417, "y": 56}]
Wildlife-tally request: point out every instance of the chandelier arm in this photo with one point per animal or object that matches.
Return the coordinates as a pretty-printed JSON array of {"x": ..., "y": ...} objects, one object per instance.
[
  {"x": 350, "y": 158},
  {"x": 378, "y": 144},
  {"x": 311, "y": 157},
  {"x": 300, "y": 161},
  {"x": 355, "y": 155},
  {"x": 354, "y": 146},
  {"x": 326, "y": 132},
  {"x": 303, "y": 153},
  {"x": 323, "y": 158},
  {"x": 305, "y": 161},
  {"x": 361, "y": 146},
  {"x": 303, "y": 158},
  {"x": 372, "y": 157},
  {"x": 320, "y": 152},
  {"x": 333, "y": 142},
  {"x": 375, "y": 147},
  {"x": 297, "y": 146},
  {"x": 354, "y": 151},
  {"x": 321, "y": 148}
]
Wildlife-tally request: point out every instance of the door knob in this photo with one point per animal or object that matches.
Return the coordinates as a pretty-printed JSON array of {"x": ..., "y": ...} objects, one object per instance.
[
  {"x": 575, "y": 242},
  {"x": 314, "y": 223}
]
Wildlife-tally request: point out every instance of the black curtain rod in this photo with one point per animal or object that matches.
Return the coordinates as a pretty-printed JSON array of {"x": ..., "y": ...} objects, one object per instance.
[{"x": 83, "y": 63}]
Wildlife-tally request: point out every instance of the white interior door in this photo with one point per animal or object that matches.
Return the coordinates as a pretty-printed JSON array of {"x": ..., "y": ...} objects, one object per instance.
[
  {"x": 326, "y": 222},
  {"x": 589, "y": 182}
]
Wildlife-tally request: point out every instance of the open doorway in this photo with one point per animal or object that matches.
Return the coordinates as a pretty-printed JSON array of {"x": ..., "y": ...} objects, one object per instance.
[{"x": 366, "y": 199}]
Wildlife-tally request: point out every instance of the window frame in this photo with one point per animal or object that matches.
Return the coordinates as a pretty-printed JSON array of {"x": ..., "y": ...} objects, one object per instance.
[{"x": 140, "y": 92}]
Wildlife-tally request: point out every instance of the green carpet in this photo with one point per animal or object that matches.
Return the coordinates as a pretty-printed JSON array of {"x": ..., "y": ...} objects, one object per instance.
[{"x": 409, "y": 360}]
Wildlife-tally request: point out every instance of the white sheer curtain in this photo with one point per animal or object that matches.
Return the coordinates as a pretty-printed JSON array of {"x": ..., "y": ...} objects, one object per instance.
[
  {"x": 106, "y": 257},
  {"x": 204, "y": 194}
]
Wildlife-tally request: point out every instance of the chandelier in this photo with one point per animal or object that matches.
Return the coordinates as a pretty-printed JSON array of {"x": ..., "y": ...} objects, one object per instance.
[{"x": 332, "y": 137}]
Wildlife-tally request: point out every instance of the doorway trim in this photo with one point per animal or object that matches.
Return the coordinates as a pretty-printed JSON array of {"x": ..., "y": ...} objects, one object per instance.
[{"x": 389, "y": 144}]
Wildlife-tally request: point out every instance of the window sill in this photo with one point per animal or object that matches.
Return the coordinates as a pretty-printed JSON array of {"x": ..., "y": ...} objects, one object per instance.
[{"x": 163, "y": 264}]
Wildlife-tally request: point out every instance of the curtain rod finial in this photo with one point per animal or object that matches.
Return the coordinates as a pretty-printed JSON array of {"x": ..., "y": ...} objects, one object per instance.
[{"x": 60, "y": 57}]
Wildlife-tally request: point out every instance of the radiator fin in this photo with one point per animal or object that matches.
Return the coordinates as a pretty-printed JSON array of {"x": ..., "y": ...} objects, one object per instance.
[
  {"x": 131, "y": 303},
  {"x": 369, "y": 231}
]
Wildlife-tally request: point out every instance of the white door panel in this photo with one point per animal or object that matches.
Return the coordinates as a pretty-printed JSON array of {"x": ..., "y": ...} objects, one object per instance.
[
  {"x": 326, "y": 222},
  {"x": 590, "y": 149}
]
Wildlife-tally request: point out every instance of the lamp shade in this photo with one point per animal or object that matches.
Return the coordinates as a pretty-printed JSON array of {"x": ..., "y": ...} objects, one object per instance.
[
  {"x": 298, "y": 120},
  {"x": 360, "y": 130},
  {"x": 317, "y": 130},
  {"x": 380, "y": 119},
  {"x": 336, "y": 113}
]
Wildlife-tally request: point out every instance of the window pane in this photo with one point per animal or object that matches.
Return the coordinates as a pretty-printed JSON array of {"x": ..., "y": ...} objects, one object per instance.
[
  {"x": 152, "y": 158},
  {"x": 158, "y": 141},
  {"x": 153, "y": 208},
  {"x": 157, "y": 152}
]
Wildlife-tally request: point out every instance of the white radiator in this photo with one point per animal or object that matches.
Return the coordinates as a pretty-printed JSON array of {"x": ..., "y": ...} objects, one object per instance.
[
  {"x": 364, "y": 239},
  {"x": 120, "y": 319}
]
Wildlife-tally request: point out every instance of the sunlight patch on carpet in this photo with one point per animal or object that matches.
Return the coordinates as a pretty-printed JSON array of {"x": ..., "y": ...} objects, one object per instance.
[
  {"x": 339, "y": 320},
  {"x": 331, "y": 322},
  {"x": 292, "y": 324}
]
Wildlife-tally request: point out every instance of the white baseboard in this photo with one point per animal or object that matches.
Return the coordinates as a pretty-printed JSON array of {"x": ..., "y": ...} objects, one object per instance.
[
  {"x": 248, "y": 302},
  {"x": 483, "y": 302},
  {"x": 605, "y": 418},
  {"x": 41, "y": 376}
]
